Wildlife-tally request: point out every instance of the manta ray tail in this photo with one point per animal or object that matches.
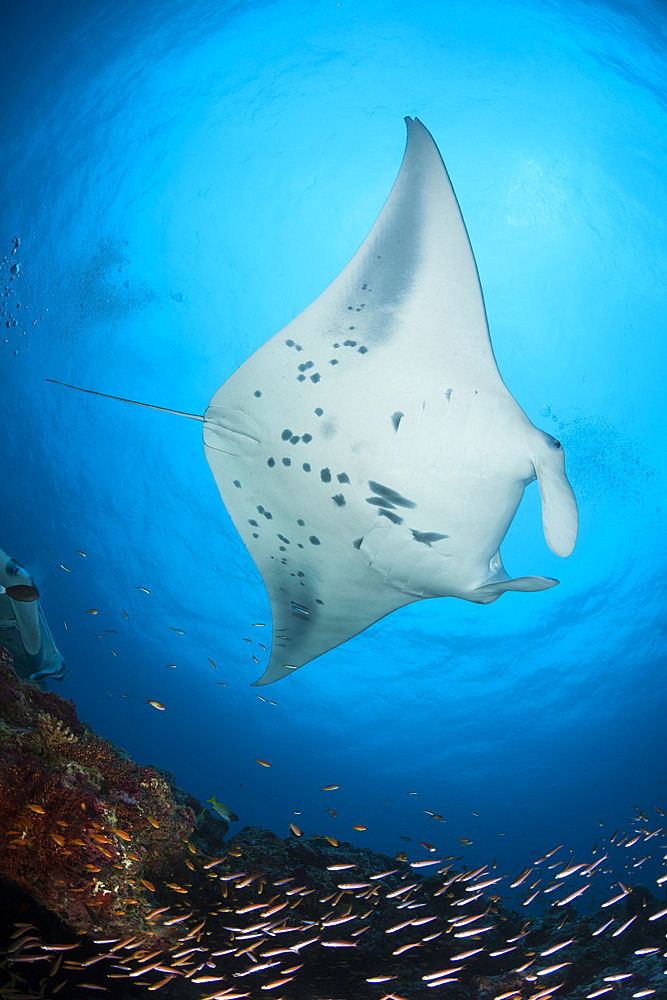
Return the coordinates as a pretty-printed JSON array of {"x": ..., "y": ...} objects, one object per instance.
[{"x": 150, "y": 406}]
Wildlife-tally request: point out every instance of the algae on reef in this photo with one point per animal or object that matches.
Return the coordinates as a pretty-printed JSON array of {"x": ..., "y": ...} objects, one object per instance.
[{"x": 83, "y": 829}]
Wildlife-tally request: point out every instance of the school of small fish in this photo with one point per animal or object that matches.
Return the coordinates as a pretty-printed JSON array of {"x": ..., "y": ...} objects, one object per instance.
[
  {"x": 254, "y": 925},
  {"x": 172, "y": 628}
]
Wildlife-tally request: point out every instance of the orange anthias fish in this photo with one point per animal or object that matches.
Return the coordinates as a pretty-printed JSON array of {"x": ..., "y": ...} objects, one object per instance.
[{"x": 155, "y": 704}]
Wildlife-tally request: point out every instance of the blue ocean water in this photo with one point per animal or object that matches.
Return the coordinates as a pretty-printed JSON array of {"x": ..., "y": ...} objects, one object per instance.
[{"x": 184, "y": 178}]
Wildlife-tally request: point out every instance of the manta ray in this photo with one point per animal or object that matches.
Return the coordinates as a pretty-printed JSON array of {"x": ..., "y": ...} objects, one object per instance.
[{"x": 370, "y": 454}]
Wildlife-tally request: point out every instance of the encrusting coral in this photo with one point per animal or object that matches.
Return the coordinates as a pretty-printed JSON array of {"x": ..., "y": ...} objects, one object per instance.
[{"x": 82, "y": 827}]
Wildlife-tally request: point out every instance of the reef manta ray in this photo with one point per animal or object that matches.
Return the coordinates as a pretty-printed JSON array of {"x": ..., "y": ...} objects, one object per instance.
[{"x": 370, "y": 454}]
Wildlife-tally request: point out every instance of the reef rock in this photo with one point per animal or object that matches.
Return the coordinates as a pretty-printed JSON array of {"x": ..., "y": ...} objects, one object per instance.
[{"x": 83, "y": 829}]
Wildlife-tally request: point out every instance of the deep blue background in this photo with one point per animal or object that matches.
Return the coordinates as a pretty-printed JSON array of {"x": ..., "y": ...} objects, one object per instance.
[{"x": 185, "y": 178}]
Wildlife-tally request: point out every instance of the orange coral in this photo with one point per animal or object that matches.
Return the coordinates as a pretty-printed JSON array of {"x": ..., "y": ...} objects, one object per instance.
[{"x": 64, "y": 792}]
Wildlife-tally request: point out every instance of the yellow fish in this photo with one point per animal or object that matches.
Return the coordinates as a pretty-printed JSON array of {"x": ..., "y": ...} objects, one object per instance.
[
  {"x": 223, "y": 811},
  {"x": 156, "y": 704}
]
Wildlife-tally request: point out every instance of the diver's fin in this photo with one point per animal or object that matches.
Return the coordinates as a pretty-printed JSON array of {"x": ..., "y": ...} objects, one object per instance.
[
  {"x": 27, "y": 619},
  {"x": 121, "y": 399}
]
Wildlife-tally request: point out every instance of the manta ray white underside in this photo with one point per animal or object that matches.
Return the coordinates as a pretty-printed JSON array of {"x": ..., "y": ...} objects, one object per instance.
[{"x": 369, "y": 454}]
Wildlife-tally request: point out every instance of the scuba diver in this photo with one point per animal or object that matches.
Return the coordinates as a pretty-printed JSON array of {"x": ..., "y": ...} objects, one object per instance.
[{"x": 23, "y": 628}]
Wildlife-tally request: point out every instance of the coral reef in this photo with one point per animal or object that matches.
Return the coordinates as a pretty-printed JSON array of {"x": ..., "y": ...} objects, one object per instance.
[
  {"x": 83, "y": 829},
  {"x": 109, "y": 885}
]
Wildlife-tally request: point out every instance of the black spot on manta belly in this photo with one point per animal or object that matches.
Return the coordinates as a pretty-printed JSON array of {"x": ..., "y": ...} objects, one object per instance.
[
  {"x": 315, "y": 377},
  {"x": 290, "y": 343},
  {"x": 287, "y": 461},
  {"x": 349, "y": 343},
  {"x": 334, "y": 361},
  {"x": 426, "y": 537},
  {"x": 306, "y": 365},
  {"x": 301, "y": 378},
  {"x": 325, "y": 475},
  {"x": 357, "y": 543},
  {"x": 271, "y": 462},
  {"x": 237, "y": 484},
  {"x": 343, "y": 477},
  {"x": 306, "y": 467},
  {"x": 314, "y": 540},
  {"x": 254, "y": 523},
  {"x": 283, "y": 539},
  {"x": 286, "y": 434},
  {"x": 260, "y": 510},
  {"x": 257, "y": 393},
  {"x": 392, "y": 517},
  {"x": 362, "y": 350},
  {"x": 294, "y": 439},
  {"x": 377, "y": 502},
  {"x": 319, "y": 411},
  {"x": 339, "y": 500},
  {"x": 301, "y": 522},
  {"x": 392, "y": 495},
  {"x": 306, "y": 438}
]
